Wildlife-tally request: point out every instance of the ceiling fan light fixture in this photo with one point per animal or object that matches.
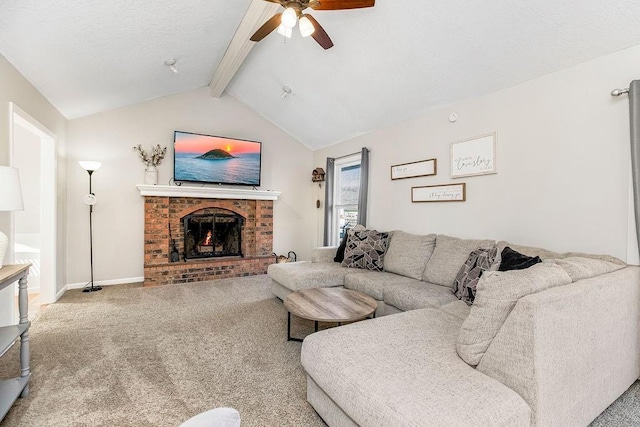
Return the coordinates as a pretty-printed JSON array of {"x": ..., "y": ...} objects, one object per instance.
[
  {"x": 289, "y": 17},
  {"x": 306, "y": 27},
  {"x": 285, "y": 31}
]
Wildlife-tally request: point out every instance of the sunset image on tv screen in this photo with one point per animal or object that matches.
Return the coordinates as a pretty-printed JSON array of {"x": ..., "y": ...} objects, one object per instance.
[{"x": 204, "y": 158}]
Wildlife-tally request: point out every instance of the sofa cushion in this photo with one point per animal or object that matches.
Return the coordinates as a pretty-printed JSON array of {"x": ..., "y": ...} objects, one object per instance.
[
  {"x": 323, "y": 254},
  {"x": 304, "y": 275},
  {"x": 365, "y": 249},
  {"x": 412, "y": 296},
  {"x": 458, "y": 308},
  {"x": 402, "y": 370},
  {"x": 448, "y": 256},
  {"x": 607, "y": 258},
  {"x": 374, "y": 283},
  {"x": 547, "y": 254},
  {"x": 497, "y": 294},
  {"x": 580, "y": 268},
  {"x": 408, "y": 254},
  {"x": 514, "y": 260}
]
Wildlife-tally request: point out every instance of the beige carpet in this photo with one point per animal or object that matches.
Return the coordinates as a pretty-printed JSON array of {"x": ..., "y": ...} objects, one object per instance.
[
  {"x": 129, "y": 356},
  {"x": 133, "y": 356}
]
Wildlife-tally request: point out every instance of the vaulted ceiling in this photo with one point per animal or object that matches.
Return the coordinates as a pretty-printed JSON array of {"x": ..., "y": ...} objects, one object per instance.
[{"x": 389, "y": 63}]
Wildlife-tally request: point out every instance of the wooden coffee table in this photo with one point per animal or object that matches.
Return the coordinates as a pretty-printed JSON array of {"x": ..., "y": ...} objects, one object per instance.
[{"x": 328, "y": 305}]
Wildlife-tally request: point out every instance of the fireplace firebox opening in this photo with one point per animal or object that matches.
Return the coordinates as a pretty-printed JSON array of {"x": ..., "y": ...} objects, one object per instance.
[{"x": 212, "y": 235}]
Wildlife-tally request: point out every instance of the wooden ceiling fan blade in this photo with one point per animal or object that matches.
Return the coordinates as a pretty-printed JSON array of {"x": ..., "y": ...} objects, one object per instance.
[
  {"x": 320, "y": 35},
  {"x": 341, "y": 4},
  {"x": 267, "y": 28}
]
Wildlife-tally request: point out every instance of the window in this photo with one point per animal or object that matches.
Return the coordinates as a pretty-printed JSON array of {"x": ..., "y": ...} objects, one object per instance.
[
  {"x": 346, "y": 189},
  {"x": 346, "y": 195}
]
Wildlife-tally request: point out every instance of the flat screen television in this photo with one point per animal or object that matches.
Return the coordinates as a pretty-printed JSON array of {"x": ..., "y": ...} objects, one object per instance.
[{"x": 215, "y": 159}]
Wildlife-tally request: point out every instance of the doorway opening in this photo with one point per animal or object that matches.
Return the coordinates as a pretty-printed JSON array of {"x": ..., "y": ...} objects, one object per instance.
[{"x": 34, "y": 228}]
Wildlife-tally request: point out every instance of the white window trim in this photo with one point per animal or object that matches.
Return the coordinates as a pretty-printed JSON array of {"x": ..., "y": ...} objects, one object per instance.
[{"x": 338, "y": 165}]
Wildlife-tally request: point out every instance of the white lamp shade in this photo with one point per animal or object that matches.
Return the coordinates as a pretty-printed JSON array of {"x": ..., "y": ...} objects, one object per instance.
[
  {"x": 289, "y": 17},
  {"x": 306, "y": 27},
  {"x": 285, "y": 31},
  {"x": 89, "y": 165},
  {"x": 10, "y": 190}
]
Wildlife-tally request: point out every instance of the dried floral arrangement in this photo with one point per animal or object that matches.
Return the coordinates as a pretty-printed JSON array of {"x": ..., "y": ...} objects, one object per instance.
[{"x": 154, "y": 158}]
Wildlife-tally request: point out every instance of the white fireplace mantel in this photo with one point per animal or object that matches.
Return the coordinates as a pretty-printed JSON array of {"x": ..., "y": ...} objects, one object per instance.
[{"x": 206, "y": 192}]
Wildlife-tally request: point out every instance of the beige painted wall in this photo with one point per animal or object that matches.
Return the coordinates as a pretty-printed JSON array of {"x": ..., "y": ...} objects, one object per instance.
[
  {"x": 15, "y": 88},
  {"x": 118, "y": 216},
  {"x": 563, "y": 162}
]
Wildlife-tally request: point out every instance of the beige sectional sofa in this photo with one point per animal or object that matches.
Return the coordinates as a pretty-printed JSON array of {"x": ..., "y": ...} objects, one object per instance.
[{"x": 553, "y": 344}]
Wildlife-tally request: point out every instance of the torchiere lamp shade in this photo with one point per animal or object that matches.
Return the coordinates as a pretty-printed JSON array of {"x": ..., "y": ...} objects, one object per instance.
[{"x": 90, "y": 166}]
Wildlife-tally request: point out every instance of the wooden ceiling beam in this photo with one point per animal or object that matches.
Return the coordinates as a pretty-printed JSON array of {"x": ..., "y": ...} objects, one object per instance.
[{"x": 240, "y": 46}]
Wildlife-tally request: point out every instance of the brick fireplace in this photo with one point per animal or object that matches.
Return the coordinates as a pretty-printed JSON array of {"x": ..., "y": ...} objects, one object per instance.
[{"x": 166, "y": 258}]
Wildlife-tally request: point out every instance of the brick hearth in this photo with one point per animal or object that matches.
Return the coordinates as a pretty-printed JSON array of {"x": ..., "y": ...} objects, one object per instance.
[{"x": 163, "y": 211}]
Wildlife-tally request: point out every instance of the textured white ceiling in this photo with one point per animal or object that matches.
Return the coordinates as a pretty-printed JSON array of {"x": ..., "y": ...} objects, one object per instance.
[
  {"x": 92, "y": 56},
  {"x": 389, "y": 63},
  {"x": 400, "y": 58}
]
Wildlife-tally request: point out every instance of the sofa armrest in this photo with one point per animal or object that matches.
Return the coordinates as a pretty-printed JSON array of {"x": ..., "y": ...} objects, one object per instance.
[
  {"x": 323, "y": 254},
  {"x": 570, "y": 351}
]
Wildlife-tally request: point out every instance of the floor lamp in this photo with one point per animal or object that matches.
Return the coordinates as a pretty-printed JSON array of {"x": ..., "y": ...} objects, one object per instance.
[
  {"x": 90, "y": 200},
  {"x": 10, "y": 200}
]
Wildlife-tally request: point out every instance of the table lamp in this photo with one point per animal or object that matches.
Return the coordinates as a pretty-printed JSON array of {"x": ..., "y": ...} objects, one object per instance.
[{"x": 10, "y": 200}]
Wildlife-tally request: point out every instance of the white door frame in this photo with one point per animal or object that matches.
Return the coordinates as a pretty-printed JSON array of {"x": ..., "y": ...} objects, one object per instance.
[{"x": 48, "y": 185}]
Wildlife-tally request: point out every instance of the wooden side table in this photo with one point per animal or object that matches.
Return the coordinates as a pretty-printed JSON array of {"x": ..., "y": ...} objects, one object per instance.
[
  {"x": 13, "y": 388},
  {"x": 328, "y": 305}
]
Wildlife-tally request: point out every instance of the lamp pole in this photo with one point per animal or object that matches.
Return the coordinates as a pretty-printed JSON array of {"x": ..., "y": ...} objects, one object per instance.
[
  {"x": 90, "y": 200},
  {"x": 91, "y": 288}
]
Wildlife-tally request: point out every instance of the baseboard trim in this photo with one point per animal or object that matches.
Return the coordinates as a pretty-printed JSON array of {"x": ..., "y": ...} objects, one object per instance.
[{"x": 99, "y": 283}]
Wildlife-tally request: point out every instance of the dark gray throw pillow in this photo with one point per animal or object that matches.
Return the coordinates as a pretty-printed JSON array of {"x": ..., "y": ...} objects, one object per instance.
[
  {"x": 514, "y": 260},
  {"x": 340, "y": 252}
]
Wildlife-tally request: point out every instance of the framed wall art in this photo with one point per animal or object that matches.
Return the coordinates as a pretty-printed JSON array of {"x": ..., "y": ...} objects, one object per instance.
[
  {"x": 474, "y": 156},
  {"x": 414, "y": 169},
  {"x": 439, "y": 193}
]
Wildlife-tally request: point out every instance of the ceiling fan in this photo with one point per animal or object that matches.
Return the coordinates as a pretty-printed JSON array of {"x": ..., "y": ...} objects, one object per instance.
[{"x": 292, "y": 15}]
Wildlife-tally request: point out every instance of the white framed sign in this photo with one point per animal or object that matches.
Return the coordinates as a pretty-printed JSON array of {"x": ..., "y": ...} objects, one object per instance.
[
  {"x": 414, "y": 169},
  {"x": 474, "y": 156},
  {"x": 439, "y": 193}
]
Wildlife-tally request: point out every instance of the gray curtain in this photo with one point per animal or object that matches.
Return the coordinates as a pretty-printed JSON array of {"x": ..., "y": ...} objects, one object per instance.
[
  {"x": 364, "y": 187},
  {"x": 328, "y": 199},
  {"x": 634, "y": 120}
]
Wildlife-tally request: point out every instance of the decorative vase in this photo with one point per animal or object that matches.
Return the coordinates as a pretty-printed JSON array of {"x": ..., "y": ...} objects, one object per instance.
[{"x": 151, "y": 175}]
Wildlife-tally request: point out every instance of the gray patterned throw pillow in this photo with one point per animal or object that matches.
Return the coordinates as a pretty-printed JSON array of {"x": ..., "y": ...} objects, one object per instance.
[
  {"x": 365, "y": 249},
  {"x": 479, "y": 261}
]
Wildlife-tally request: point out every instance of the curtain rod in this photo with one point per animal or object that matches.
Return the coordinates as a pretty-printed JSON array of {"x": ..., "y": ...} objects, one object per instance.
[
  {"x": 618, "y": 92},
  {"x": 347, "y": 155}
]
